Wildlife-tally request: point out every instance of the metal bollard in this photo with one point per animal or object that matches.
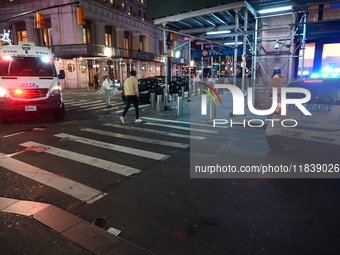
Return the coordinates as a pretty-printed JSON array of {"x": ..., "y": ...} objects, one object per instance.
[
  {"x": 152, "y": 100},
  {"x": 179, "y": 106},
  {"x": 182, "y": 90},
  {"x": 165, "y": 96},
  {"x": 174, "y": 101},
  {"x": 159, "y": 103},
  {"x": 212, "y": 110}
]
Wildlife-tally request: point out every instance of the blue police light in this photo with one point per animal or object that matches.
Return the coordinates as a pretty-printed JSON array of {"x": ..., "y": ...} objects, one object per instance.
[{"x": 325, "y": 75}]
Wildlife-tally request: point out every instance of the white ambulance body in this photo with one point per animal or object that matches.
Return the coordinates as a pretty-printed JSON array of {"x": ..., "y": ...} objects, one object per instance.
[
  {"x": 319, "y": 131},
  {"x": 29, "y": 82}
]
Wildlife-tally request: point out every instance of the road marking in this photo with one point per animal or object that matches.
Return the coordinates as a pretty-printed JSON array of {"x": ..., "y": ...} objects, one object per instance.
[
  {"x": 132, "y": 108},
  {"x": 140, "y": 153},
  {"x": 63, "y": 184},
  {"x": 98, "y": 107},
  {"x": 13, "y": 134},
  {"x": 70, "y": 122},
  {"x": 182, "y": 128},
  {"x": 74, "y": 102},
  {"x": 136, "y": 138},
  {"x": 100, "y": 163},
  {"x": 86, "y": 103},
  {"x": 184, "y": 122},
  {"x": 155, "y": 131}
]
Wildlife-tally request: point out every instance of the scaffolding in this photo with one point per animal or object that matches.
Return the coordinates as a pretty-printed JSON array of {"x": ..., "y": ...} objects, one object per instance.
[{"x": 279, "y": 45}]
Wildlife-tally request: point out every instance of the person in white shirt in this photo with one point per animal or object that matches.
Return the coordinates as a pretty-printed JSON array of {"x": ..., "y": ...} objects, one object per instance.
[{"x": 107, "y": 86}]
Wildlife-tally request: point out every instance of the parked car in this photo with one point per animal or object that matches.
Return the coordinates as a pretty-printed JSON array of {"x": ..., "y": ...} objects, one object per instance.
[
  {"x": 321, "y": 130},
  {"x": 147, "y": 86}
]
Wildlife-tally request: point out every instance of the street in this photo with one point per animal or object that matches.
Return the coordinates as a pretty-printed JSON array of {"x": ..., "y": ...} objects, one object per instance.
[{"x": 137, "y": 178}]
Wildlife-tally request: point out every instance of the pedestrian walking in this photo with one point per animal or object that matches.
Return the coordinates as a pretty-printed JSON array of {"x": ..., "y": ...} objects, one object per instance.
[
  {"x": 107, "y": 87},
  {"x": 174, "y": 88},
  {"x": 96, "y": 82},
  {"x": 131, "y": 96},
  {"x": 277, "y": 79}
]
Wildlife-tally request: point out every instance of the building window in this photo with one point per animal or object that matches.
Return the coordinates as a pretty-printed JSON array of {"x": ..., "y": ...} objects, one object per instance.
[
  {"x": 22, "y": 35},
  {"x": 124, "y": 6},
  {"x": 127, "y": 43},
  {"x": 129, "y": 11},
  {"x": 47, "y": 36},
  {"x": 108, "y": 39},
  {"x": 309, "y": 59},
  {"x": 142, "y": 15},
  {"x": 313, "y": 13},
  {"x": 141, "y": 42},
  {"x": 161, "y": 47},
  {"x": 127, "y": 40},
  {"x": 324, "y": 12},
  {"x": 87, "y": 35},
  {"x": 330, "y": 58},
  {"x": 331, "y": 11},
  {"x": 108, "y": 36}
]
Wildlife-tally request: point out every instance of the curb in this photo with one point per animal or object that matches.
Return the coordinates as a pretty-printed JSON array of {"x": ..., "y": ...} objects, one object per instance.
[{"x": 89, "y": 236}]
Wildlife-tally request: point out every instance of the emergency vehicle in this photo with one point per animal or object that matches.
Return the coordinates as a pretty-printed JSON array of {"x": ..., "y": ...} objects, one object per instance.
[
  {"x": 29, "y": 82},
  {"x": 319, "y": 131}
]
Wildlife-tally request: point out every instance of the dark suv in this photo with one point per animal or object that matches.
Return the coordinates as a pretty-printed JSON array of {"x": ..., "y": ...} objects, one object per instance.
[{"x": 147, "y": 86}]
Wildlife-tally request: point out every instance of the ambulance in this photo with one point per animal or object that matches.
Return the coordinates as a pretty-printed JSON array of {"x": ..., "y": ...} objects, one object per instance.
[
  {"x": 29, "y": 83},
  {"x": 319, "y": 131}
]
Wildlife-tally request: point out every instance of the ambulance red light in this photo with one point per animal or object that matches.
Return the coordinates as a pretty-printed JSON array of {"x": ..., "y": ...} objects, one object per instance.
[{"x": 18, "y": 91}]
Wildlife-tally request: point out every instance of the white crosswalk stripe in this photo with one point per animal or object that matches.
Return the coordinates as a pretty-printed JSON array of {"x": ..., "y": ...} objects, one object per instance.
[
  {"x": 183, "y": 122},
  {"x": 100, "y": 163},
  {"x": 85, "y": 104},
  {"x": 155, "y": 131},
  {"x": 72, "y": 102},
  {"x": 182, "y": 128},
  {"x": 124, "y": 149},
  {"x": 102, "y": 107},
  {"x": 136, "y": 138},
  {"x": 70, "y": 187}
]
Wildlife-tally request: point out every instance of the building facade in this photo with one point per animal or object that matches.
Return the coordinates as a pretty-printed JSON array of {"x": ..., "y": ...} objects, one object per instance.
[{"x": 115, "y": 37}]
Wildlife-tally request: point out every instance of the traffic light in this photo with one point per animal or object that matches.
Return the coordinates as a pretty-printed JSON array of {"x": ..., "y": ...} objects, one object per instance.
[
  {"x": 80, "y": 16},
  {"x": 39, "y": 20}
]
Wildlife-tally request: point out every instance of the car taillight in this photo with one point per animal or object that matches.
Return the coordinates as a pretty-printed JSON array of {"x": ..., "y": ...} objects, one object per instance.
[{"x": 278, "y": 109}]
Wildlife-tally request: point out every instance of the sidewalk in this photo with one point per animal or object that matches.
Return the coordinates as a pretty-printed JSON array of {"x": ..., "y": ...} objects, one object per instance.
[
  {"x": 192, "y": 112},
  {"x": 57, "y": 225}
]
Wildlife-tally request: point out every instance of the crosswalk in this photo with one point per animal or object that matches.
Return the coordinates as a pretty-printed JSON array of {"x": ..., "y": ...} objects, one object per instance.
[
  {"x": 165, "y": 136},
  {"x": 85, "y": 105}
]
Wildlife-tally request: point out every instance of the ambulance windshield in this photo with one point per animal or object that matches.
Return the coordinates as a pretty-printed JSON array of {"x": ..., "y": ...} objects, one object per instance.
[{"x": 27, "y": 66}]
